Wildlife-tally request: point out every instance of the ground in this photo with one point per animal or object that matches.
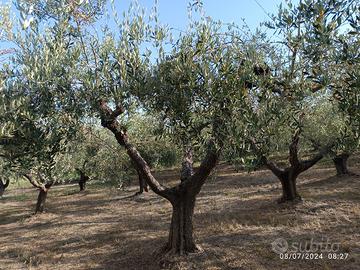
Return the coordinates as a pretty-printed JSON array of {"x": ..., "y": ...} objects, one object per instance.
[{"x": 236, "y": 220}]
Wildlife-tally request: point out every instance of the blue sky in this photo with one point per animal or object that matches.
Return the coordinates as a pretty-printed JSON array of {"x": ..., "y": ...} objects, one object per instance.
[{"x": 174, "y": 12}]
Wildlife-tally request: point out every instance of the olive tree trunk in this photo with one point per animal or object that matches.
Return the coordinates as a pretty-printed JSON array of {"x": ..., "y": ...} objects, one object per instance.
[
  {"x": 3, "y": 186},
  {"x": 41, "y": 199},
  {"x": 288, "y": 176},
  {"x": 340, "y": 162},
  {"x": 43, "y": 191},
  {"x": 182, "y": 197},
  {"x": 181, "y": 240},
  {"x": 288, "y": 184},
  {"x": 83, "y": 179}
]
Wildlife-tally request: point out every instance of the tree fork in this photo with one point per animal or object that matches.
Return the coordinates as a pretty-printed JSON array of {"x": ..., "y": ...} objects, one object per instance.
[
  {"x": 182, "y": 197},
  {"x": 43, "y": 191}
]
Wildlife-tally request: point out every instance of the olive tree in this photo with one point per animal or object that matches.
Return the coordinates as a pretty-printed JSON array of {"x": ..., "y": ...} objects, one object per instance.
[
  {"x": 117, "y": 73},
  {"x": 295, "y": 75},
  {"x": 331, "y": 35},
  {"x": 39, "y": 125},
  {"x": 344, "y": 74},
  {"x": 30, "y": 149}
]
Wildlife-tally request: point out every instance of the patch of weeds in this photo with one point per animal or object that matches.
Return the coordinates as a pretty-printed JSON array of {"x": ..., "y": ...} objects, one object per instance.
[
  {"x": 26, "y": 257},
  {"x": 70, "y": 192},
  {"x": 19, "y": 197},
  {"x": 32, "y": 260}
]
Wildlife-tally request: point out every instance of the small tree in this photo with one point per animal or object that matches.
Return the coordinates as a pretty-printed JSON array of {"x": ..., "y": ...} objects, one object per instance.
[
  {"x": 283, "y": 96},
  {"x": 32, "y": 148},
  {"x": 38, "y": 127},
  {"x": 330, "y": 31}
]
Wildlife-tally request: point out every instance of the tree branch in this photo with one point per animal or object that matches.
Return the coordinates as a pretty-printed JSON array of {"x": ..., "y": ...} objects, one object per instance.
[
  {"x": 279, "y": 172},
  {"x": 118, "y": 111},
  {"x": 197, "y": 180},
  {"x": 32, "y": 181},
  {"x": 108, "y": 120},
  {"x": 307, "y": 164},
  {"x": 293, "y": 149},
  {"x": 47, "y": 184},
  {"x": 6, "y": 183}
]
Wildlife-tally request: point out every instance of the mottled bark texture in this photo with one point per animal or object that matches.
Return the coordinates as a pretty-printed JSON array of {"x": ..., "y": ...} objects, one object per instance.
[
  {"x": 41, "y": 199},
  {"x": 182, "y": 197}
]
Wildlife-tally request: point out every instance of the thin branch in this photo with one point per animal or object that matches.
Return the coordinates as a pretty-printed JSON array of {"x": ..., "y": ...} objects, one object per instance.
[{"x": 33, "y": 181}]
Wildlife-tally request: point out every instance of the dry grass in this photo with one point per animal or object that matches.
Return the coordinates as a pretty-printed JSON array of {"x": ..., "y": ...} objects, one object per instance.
[{"x": 236, "y": 220}]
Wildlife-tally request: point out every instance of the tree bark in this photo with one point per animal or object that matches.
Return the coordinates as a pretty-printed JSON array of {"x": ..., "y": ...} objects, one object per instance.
[
  {"x": 142, "y": 184},
  {"x": 3, "y": 186},
  {"x": 83, "y": 179},
  {"x": 340, "y": 162},
  {"x": 43, "y": 191},
  {"x": 288, "y": 176},
  {"x": 40, "y": 204},
  {"x": 182, "y": 197},
  {"x": 288, "y": 183},
  {"x": 187, "y": 169},
  {"x": 181, "y": 240}
]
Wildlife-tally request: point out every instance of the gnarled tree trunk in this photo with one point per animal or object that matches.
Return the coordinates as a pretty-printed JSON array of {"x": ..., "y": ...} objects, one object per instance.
[
  {"x": 340, "y": 162},
  {"x": 40, "y": 204},
  {"x": 289, "y": 175},
  {"x": 288, "y": 183},
  {"x": 181, "y": 240},
  {"x": 43, "y": 191},
  {"x": 182, "y": 197}
]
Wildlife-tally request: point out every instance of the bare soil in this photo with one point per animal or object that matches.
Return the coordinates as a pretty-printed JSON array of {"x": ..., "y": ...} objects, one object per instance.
[{"x": 236, "y": 220}]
